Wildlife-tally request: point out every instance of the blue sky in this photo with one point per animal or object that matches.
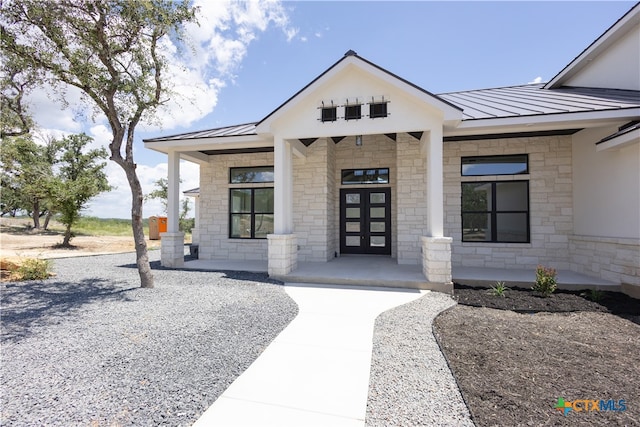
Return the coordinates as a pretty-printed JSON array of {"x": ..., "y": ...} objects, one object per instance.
[{"x": 440, "y": 46}]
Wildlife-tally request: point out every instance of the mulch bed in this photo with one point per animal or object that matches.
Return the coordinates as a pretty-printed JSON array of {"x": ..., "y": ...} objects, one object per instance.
[{"x": 515, "y": 356}]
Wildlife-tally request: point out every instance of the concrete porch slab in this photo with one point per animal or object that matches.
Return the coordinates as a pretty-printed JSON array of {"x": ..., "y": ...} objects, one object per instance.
[
  {"x": 226, "y": 265},
  {"x": 363, "y": 271},
  {"x": 518, "y": 277}
]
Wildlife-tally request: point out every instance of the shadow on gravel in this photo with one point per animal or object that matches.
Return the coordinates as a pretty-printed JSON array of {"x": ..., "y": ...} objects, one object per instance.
[
  {"x": 31, "y": 305},
  {"x": 226, "y": 274}
]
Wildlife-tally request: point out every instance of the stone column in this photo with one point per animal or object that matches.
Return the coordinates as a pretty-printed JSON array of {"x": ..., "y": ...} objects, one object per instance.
[
  {"x": 436, "y": 262},
  {"x": 283, "y": 244},
  {"x": 172, "y": 243},
  {"x": 283, "y": 259},
  {"x": 436, "y": 249}
]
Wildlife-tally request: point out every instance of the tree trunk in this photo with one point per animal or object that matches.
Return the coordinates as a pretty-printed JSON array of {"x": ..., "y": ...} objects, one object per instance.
[
  {"x": 47, "y": 219},
  {"x": 36, "y": 214},
  {"x": 142, "y": 257},
  {"x": 67, "y": 237}
]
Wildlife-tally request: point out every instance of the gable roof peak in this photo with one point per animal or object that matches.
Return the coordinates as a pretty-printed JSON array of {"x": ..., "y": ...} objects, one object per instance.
[{"x": 351, "y": 52}]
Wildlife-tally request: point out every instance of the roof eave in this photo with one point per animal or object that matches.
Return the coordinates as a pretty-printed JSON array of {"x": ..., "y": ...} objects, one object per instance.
[
  {"x": 558, "y": 121},
  {"x": 611, "y": 35}
]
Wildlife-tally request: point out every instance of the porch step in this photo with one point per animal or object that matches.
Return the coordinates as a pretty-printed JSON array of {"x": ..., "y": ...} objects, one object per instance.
[
  {"x": 524, "y": 278},
  {"x": 363, "y": 271}
]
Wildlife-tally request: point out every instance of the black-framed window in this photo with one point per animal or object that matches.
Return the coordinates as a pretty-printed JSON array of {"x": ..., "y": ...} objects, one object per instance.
[
  {"x": 329, "y": 114},
  {"x": 365, "y": 176},
  {"x": 515, "y": 164},
  {"x": 378, "y": 109},
  {"x": 253, "y": 174},
  {"x": 496, "y": 211},
  {"x": 250, "y": 213}
]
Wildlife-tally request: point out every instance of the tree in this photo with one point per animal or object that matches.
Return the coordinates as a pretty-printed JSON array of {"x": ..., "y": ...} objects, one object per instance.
[
  {"x": 161, "y": 191},
  {"x": 112, "y": 51},
  {"x": 27, "y": 176},
  {"x": 81, "y": 177}
]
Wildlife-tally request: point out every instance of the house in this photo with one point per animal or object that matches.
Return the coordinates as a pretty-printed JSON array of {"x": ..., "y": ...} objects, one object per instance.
[{"x": 361, "y": 161}]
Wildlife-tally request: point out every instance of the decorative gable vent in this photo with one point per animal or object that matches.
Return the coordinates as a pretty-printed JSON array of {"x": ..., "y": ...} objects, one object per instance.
[
  {"x": 329, "y": 112},
  {"x": 378, "y": 107},
  {"x": 353, "y": 109}
]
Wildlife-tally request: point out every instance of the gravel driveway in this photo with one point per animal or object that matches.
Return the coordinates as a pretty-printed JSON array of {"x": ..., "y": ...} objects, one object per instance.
[{"x": 88, "y": 347}]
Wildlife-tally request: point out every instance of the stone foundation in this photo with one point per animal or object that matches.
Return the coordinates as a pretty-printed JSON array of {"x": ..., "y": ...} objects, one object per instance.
[
  {"x": 283, "y": 254},
  {"x": 172, "y": 250},
  {"x": 436, "y": 260}
]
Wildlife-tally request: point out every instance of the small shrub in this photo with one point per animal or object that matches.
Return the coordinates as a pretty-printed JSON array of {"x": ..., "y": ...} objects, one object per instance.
[
  {"x": 33, "y": 269},
  {"x": 594, "y": 295},
  {"x": 499, "y": 289},
  {"x": 546, "y": 282}
]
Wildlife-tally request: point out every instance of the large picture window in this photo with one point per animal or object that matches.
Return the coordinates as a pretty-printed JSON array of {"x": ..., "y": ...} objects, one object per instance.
[
  {"x": 251, "y": 213},
  {"x": 495, "y": 211}
]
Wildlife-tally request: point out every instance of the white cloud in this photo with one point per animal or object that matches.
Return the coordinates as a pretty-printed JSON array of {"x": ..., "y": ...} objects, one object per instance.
[
  {"x": 218, "y": 45},
  {"x": 117, "y": 203},
  {"x": 536, "y": 80}
]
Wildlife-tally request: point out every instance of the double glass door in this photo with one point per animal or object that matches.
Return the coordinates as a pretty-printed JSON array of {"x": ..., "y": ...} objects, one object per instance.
[{"x": 365, "y": 221}]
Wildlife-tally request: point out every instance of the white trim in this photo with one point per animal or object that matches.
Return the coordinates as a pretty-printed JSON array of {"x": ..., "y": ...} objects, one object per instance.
[
  {"x": 543, "y": 122},
  {"x": 620, "y": 141}
]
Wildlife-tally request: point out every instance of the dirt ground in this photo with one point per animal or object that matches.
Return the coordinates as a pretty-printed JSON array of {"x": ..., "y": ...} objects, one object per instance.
[
  {"x": 17, "y": 241},
  {"x": 515, "y": 360}
]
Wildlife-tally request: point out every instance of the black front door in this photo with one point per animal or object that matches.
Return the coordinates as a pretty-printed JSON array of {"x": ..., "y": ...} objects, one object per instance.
[{"x": 365, "y": 221}]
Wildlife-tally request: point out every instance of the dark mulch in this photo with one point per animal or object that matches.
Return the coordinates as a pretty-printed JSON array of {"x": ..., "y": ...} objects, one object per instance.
[{"x": 515, "y": 356}]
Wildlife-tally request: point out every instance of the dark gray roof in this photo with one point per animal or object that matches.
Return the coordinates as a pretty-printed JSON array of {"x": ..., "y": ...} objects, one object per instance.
[
  {"x": 495, "y": 103},
  {"x": 237, "y": 130},
  {"x": 532, "y": 100}
]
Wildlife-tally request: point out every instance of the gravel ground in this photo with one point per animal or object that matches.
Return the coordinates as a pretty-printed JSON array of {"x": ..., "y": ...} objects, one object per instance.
[
  {"x": 90, "y": 348},
  {"x": 411, "y": 383}
]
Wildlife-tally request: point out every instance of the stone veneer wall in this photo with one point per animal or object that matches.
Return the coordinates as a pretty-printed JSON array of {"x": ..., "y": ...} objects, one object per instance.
[
  {"x": 550, "y": 203},
  {"x": 377, "y": 151},
  {"x": 411, "y": 197},
  {"x": 311, "y": 202},
  {"x": 214, "y": 209},
  {"x": 614, "y": 259}
]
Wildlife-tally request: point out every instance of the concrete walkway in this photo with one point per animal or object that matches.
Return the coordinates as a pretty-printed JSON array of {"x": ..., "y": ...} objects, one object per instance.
[{"x": 316, "y": 372}]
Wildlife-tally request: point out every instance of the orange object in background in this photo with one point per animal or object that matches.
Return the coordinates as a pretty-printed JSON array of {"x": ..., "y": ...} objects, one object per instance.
[
  {"x": 162, "y": 224},
  {"x": 157, "y": 225}
]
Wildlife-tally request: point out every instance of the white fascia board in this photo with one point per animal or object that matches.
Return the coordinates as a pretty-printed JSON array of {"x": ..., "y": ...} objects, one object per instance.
[
  {"x": 629, "y": 138},
  {"x": 543, "y": 122},
  {"x": 609, "y": 37},
  {"x": 222, "y": 143},
  {"x": 452, "y": 115}
]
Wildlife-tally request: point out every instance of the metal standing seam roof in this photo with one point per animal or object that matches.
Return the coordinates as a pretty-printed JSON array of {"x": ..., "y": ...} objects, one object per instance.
[
  {"x": 495, "y": 103},
  {"x": 227, "y": 131},
  {"x": 532, "y": 100}
]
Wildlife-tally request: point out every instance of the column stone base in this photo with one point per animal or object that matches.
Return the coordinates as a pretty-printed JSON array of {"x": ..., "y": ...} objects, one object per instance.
[
  {"x": 172, "y": 250},
  {"x": 283, "y": 254},
  {"x": 195, "y": 235},
  {"x": 436, "y": 260}
]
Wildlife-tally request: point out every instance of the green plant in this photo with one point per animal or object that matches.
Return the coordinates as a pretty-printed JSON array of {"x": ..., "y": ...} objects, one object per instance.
[
  {"x": 546, "y": 282},
  {"x": 33, "y": 269},
  {"x": 594, "y": 295},
  {"x": 499, "y": 289}
]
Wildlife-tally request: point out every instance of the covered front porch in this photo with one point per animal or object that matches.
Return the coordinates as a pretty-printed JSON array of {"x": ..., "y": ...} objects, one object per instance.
[{"x": 386, "y": 272}]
